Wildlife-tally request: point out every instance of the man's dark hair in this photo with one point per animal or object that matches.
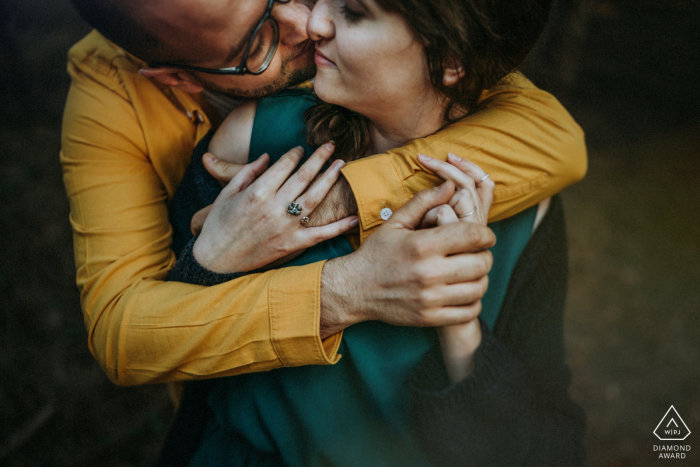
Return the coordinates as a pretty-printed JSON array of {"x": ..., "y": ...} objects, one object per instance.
[{"x": 116, "y": 21}]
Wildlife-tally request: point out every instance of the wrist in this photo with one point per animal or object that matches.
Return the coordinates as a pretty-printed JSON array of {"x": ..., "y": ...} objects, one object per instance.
[
  {"x": 203, "y": 254},
  {"x": 459, "y": 344},
  {"x": 339, "y": 308},
  {"x": 347, "y": 196}
]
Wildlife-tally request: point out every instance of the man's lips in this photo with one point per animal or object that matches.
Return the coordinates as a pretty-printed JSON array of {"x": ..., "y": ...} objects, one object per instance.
[
  {"x": 322, "y": 60},
  {"x": 306, "y": 48}
]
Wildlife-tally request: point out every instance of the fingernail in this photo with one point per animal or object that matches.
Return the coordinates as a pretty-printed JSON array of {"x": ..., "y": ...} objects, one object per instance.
[
  {"x": 330, "y": 145},
  {"x": 441, "y": 187},
  {"x": 424, "y": 158},
  {"x": 210, "y": 157},
  {"x": 454, "y": 157},
  {"x": 337, "y": 165},
  {"x": 354, "y": 222}
]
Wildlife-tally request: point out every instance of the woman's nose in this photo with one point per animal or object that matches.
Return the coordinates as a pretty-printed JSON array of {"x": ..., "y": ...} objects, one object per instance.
[
  {"x": 292, "y": 18},
  {"x": 320, "y": 22}
]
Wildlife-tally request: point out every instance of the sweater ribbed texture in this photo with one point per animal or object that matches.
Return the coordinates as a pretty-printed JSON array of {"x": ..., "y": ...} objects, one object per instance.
[{"x": 514, "y": 409}]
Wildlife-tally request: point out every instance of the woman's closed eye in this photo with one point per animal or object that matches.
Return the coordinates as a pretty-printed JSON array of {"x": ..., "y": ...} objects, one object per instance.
[{"x": 351, "y": 14}]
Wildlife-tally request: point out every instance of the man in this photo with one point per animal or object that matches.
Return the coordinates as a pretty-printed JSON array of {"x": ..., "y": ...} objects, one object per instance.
[{"x": 129, "y": 130}]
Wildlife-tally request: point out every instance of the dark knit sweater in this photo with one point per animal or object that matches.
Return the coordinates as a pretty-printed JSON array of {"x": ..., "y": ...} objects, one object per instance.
[{"x": 514, "y": 410}]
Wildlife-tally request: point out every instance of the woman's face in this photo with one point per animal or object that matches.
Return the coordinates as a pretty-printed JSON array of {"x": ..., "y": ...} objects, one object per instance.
[{"x": 368, "y": 60}]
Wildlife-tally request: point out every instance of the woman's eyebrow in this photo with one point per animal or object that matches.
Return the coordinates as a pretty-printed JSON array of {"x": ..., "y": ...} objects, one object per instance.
[{"x": 363, "y": 5}]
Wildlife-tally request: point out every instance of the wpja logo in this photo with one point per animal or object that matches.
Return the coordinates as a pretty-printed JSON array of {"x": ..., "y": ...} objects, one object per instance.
[{"x": 672, "y": 428}]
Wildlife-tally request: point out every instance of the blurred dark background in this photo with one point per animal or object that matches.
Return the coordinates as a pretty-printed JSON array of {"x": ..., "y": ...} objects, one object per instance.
[{"x": 627, "y": 70}]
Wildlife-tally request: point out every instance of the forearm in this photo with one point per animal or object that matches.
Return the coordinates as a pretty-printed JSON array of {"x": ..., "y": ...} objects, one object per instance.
[
  {"x": 521, "y": 135},
  {"x": 519, "y": 386},
  {"x": 459, "y": 344},
  {"x": 167, "y": 331},
  {"x": 144, "y": 330}
]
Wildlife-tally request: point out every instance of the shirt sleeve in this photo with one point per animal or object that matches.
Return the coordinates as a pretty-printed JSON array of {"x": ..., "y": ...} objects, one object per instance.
[
  {"x": 522, "y": 136},
  {"x": 140, "y": 328}
]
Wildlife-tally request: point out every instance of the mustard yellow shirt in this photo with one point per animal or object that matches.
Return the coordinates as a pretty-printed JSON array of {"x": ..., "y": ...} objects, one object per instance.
[{"x": 126, "y": 142}]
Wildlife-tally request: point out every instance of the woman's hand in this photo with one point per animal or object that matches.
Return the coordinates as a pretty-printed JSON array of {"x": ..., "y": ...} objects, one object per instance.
[
  {"x": 473, "y": 191},
  {"x": 249, "y": 227},
  {"x": 470, "y": 203}
]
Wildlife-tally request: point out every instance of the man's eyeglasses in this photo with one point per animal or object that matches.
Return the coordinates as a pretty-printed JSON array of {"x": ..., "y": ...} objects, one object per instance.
[{"x": 257, "y": 54}]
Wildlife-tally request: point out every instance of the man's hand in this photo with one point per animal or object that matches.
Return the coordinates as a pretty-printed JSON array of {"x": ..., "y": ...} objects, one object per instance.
[{"x": 410, "y": 277}]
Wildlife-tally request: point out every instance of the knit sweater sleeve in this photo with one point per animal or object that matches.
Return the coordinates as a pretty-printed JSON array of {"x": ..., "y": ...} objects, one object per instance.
[
  {"x": 197, "y": 190},
  {"x": 514, "y": 409}
]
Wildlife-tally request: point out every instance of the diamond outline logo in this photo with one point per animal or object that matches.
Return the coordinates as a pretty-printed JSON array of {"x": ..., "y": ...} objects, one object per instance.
[{"x": 674, "y": 422}]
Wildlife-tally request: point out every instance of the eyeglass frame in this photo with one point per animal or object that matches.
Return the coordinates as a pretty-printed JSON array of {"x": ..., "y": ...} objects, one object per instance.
[{"x": 241, "y": 69}]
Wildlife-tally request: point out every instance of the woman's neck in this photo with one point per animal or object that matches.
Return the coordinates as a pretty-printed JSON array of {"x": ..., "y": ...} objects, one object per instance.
[{"x": 407, "y": 122}]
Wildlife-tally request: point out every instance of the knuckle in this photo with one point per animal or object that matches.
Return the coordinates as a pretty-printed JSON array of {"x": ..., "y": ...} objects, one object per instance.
[
  {"x": 425, "y": 317},
  {"x": 422, "y": 196},
  {"x": 316, "y": 238},
  {"x": 424, "y": 278},
  {"x": 487, "y": 260},
  {"x": 444, "y": 210},
  {"x": 472, "y": 311},
  {"x": 427, "y": 298},
  {"x": 307, "y": 203},
  {"x": 474, "y": 235},
  {"x": 482, "y": 264},
  {"x": 294, "y": 152},
  {"x": 418, "y": 249},
  {"x": 305, "y": 176},
  {"x": 255, "y": 195},
  {"x": 286, "y": 162},
  {"x": 488, "y": 183},
  {"x": 480, "y": 289}
]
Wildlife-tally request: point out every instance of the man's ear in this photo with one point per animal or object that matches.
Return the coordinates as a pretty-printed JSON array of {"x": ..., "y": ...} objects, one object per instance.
[
  {"x": 174, "y": 77},
  {"x": 453, "y": 72}
]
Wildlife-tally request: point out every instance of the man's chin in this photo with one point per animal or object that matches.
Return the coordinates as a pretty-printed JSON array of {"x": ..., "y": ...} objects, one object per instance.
[{"x": 283, "y": 81}]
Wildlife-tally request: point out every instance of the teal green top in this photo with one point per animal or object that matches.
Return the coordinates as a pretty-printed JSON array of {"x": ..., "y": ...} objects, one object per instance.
[{"x": 354, "y": 412}]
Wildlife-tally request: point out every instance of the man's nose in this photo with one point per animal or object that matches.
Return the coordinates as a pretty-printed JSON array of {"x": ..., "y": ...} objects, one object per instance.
[{"x": 292, "y": 18}]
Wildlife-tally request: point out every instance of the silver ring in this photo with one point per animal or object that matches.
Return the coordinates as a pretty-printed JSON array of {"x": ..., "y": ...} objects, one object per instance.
[
  {"x": 304, "y": 220},
  {"x": 482, "y": 179},
  {"x": 294, "y": 209},
  {"x": 468, "y": 214}
]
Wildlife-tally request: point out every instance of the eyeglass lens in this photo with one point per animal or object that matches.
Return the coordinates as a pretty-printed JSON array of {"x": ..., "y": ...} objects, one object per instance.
[{"x": 262, "y": 46}]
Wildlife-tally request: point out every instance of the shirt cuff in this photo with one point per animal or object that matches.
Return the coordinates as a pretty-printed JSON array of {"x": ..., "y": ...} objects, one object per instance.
[
  {"x": 295, "y": 317},
  {"x": 376, "y": 185},
  {"x": 189, "y": 271}
]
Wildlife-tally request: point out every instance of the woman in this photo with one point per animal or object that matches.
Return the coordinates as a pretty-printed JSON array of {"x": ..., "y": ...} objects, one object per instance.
[{"x": 410, "y": 68}]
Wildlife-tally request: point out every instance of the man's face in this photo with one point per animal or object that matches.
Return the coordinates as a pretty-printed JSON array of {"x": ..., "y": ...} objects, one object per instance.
[{"x": 214, "y": 33}]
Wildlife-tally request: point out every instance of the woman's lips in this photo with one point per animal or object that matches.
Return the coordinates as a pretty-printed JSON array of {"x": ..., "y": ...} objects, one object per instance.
[{"x": 322, "y": 60}]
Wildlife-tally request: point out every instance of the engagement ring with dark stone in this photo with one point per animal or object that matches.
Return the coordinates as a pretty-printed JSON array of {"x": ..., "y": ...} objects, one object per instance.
[{"x": 294, "y": 209}]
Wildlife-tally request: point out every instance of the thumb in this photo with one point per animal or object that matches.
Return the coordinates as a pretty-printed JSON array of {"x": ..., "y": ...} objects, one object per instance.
[
  {"x": 411, "y": 214},
  {"x": 198, "y": 220},
  {"x": 220, "y": 170}
]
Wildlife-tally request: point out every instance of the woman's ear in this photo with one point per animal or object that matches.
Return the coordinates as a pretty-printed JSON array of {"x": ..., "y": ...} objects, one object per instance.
[
  {"x": 453, "y": 72},
  {"x": 174, "y": 77}
]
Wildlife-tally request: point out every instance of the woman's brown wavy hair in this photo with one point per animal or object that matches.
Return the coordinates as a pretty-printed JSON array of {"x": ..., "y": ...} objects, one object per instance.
[{"x": 489, "y": 38}]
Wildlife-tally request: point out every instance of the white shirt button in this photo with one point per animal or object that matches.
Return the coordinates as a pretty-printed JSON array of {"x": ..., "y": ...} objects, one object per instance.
[{"x": 386, "y": 214}]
